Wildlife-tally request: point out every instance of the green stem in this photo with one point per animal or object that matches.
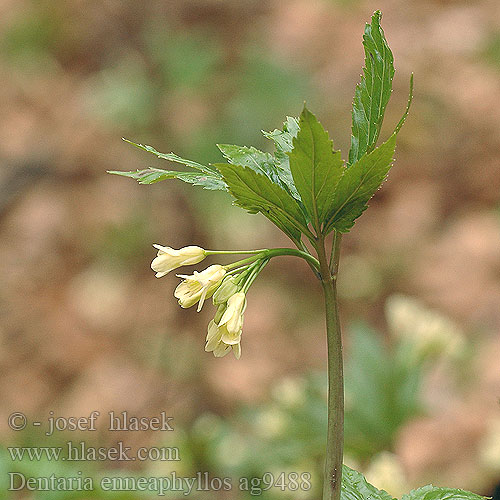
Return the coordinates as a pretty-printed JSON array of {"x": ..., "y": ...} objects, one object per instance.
[
  {"x": 238, "y": 270},
  {"x": 245, "y": 261},
  {"x": 233, "y": 252},
  {"x": 334, "y": 257},
  {"x": 257, "y": 268},
  {"x": 335, "y": 432},
  {"x": 267, "y": 254},
  {"x": 302, "y": 246},
  {"x": 275, "y": 252}
]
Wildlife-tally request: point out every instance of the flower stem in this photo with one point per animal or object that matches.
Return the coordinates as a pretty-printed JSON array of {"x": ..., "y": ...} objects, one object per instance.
[
  {"x": 233, "y": 252},
  {"x": 237, "y": 270},
  {"x": 335, "y": 432},
  {"x": 245, "y": 261},
  {"x": 257, "y": 268},
  {"x": 266, "y": 254},
  {"x": 274, "y": 252}
]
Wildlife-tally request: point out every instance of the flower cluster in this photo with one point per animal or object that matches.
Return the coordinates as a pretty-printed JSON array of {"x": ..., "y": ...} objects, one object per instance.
[{"x": 227, "y": 285}]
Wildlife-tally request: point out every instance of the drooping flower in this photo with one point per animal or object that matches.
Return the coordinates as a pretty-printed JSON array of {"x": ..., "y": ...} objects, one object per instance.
[
  {"x": 199, "y": 286},
  {"x": 233, "y": 316},
  {"x": 224, "y": 335},
  {"x": 169, "y": 259},
  {"x": 217, "y": 345}
]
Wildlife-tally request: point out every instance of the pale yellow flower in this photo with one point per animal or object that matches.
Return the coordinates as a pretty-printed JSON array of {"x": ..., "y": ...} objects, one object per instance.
[
  {"x": 199, "y": 286},
  {"x": 233, "y": 316},
  {"x": 217, "y": 345},
  {"x": 225, "y": 335},
  {"x": 169, "y": 259}
]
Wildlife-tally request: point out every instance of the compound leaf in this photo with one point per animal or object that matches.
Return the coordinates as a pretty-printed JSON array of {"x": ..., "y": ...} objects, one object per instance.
[
  {"x": 262, "y": 163},
  {"x": 203, "y": 176}
]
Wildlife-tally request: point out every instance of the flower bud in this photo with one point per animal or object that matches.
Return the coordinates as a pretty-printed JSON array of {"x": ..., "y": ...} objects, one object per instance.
[
  {"x": 220, "y": 311},
  {"x": 227, "y": 288},
  {"x": 169, "y": 258}
]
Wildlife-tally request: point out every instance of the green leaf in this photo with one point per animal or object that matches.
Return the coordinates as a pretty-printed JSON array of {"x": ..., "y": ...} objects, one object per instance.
[
  {"x": 173, "y": 157},
  {"x": 283, "y": 141},
  {"x": 358, "y": 184},
  {"x": 152, "y": 175},
  {"x": 356, "y": 487},
  {"x": 373, "y": 92},
  {"x": 362, "y": 179},
  {"x": 262, "y": 163},
  {"x": 430, "y": 492},
  {"x": 203, "y": 176},
  {"x": 316, "y": 168},
  {"x": 256, "y": 193}
]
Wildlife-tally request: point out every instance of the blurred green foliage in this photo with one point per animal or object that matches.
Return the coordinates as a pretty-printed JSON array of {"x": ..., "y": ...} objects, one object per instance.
[
  {"x": 491, "y": 52},
  {"x": 32, "y": 38},
  {"x": 286, "y": 433},
  {"x": 382, "y": 392}
]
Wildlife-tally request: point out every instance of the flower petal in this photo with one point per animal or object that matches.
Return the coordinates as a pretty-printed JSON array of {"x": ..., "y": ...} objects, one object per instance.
[
  {"x": 237, "y": 350},
  {"x": 221, "y": 350}
]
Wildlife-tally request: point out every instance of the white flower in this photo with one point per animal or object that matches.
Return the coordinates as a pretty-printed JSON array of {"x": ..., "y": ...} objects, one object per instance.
[
  {"x": 199, "y": 286},
  {"x": 169, "y": 258}
]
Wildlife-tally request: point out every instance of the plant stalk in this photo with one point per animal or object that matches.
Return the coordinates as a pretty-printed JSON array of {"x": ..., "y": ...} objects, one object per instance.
[{"x": 335, "y": 433}]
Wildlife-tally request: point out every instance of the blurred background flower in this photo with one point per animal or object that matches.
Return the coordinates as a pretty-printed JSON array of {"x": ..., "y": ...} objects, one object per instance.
[{"x": 84, "y": 324}]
